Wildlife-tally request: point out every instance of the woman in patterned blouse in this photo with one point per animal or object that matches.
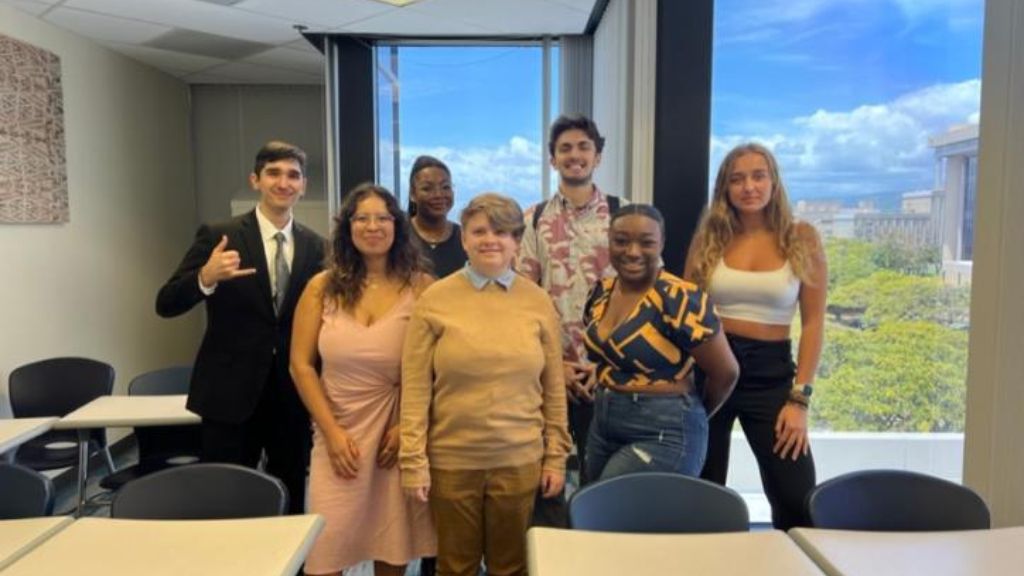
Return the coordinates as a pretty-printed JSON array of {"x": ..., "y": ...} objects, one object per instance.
[{"x": 643, "y": 329}]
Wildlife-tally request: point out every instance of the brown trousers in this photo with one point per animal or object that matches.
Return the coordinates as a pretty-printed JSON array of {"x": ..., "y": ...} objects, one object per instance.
[{"x": 483, "y": 513}]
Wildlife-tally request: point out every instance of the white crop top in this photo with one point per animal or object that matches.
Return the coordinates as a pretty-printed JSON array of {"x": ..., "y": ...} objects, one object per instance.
[{"x": 766, "y": 297}]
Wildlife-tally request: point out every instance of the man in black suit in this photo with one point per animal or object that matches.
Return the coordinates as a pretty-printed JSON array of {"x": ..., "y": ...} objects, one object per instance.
[{"x": 250, "y": 271}]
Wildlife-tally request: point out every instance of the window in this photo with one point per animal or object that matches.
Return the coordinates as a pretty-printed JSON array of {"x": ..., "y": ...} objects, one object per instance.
[
  {"x": 872, "y": 109},
  {"x": 478, "y": 108}
]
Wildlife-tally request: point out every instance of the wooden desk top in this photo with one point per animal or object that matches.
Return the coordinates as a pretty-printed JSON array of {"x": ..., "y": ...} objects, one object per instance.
[
  {"x": 554, "y": 552},
  {"x": 958, "y": 553},
  {"x": 102, "y": 546},
  {"x": 18, "y": 537},
  {"x": 130, "y": 411},
  {"x": 14, "y": 431}
]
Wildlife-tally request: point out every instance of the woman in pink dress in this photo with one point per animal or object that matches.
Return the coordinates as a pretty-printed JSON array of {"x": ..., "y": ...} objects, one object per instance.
[{"x": 352, "y": 319}]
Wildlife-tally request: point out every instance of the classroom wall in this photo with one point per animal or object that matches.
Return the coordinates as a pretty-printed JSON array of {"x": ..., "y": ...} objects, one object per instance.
[
  {"x": 87, "y": 288},
  {"x": 231, "y": 122}
]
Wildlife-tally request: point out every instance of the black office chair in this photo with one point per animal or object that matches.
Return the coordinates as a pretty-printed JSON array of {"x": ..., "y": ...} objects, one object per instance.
[
  {"x": 55, "y": 387},
  {"x": 24, "y": 493},
  {"x": 657, "y": 502},
  {"x": 160, "y": 447},
  {"x": 201, "y": 492},
  {"x": 895, "y": 501}
]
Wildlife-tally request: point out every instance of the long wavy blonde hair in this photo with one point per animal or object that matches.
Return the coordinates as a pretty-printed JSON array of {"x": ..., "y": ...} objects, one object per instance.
[{"x": 720, "y": 221}]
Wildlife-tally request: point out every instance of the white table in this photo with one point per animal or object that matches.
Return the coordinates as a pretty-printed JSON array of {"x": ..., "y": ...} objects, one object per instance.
[
  {"x": 18, "y": 537},
  {"x": 107, "y": 411},
  {"x": 15, "y": 431},
  {"x": 968, "y": 552},
  {"x": 102, "y": 546},
  {"x": 555, "y": 552}
]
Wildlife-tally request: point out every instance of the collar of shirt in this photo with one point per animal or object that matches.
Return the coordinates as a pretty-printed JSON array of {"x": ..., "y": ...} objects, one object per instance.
[
  {"x": 480, "y": 281},
  {"x": 267, "y": 228},
  {"x": 595, "y": 199}
]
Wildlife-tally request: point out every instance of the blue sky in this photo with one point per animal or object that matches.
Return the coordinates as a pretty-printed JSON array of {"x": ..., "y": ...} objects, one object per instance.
[
  {"x": 478, "y": 109},
  {"x": 846, "y": 92}
]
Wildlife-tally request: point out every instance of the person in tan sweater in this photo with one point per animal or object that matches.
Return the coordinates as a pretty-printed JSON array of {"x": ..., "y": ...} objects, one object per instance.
[{"x": 483, "y": 415}]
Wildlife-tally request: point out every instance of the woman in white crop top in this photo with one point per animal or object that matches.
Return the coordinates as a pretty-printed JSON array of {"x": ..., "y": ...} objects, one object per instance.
[{"x": 759, "y": 266}]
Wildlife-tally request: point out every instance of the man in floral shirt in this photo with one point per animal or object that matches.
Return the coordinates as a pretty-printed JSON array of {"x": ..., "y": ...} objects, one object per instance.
[{"x": 565, "y": 250}]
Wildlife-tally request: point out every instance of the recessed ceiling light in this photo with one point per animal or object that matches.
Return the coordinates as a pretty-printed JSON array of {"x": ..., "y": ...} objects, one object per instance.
[{"x": 399, "y": 3}]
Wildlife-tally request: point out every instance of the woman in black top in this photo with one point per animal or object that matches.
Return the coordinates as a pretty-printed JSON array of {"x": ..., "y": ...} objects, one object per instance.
[{"x": 430, "y": 199}]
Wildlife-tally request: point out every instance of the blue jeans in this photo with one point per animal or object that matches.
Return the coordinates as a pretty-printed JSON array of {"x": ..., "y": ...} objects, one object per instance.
[{"x": 646, "y": 433}]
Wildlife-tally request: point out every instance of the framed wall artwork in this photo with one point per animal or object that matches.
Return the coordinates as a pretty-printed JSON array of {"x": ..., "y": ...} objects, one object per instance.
[{"x": 33, "y": 171}]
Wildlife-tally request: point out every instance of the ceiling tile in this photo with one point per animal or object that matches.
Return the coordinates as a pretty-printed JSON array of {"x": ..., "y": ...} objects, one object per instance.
[
  {"x": 586, "y": 6},
  {"x": 298, "y": 60},
  {"x": 413, "y": 22},
  {"x": 519, "y": 17},
  {"x": 318, "y": 14},
  {"x": 302, "y": 44},
  {"x": 165, "y": 59},
  {"x": 196, "y": 15},
  {"x": 245, "y": 73},
  {"x": 104, "y": 28},
  {"x": 34, "y": 8}
]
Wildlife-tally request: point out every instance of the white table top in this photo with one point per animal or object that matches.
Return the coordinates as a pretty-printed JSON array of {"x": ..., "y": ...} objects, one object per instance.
[
  {"x": 102, "y": 546},
  {"x": 14, "y": 431},
  {"x": 968, "y": 552},
  {"x": 18, "y": 537},
  {"x": 555, "y": 552},
  {"x": 130, "y": 411}
]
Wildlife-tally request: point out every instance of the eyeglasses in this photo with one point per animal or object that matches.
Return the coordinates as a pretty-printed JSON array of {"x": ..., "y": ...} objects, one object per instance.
[{"x": 366, "y": 219}]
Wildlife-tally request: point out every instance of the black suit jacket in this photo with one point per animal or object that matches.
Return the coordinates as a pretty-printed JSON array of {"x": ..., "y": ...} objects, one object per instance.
[{"x": 245, "y": 343}]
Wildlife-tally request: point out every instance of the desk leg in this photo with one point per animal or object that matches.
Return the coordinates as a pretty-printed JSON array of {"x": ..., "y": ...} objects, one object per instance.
[{"x": 83, "y": 469}]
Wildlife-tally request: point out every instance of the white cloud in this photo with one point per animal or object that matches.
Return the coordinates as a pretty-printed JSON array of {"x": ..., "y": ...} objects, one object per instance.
[{"x": 872, "y": 148}]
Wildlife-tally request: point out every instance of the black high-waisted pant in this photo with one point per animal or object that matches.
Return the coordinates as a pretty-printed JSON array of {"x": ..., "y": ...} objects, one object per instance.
[{"x": 766, "y": 376}]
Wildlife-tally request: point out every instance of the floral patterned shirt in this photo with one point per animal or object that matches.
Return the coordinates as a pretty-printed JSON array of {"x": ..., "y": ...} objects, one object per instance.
[{"x": 567, "y": 254}]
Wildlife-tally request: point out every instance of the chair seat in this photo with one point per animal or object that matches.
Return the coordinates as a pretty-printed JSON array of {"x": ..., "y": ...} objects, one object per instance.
[
  {"x": 124, "y": 475},
  {"x": 43, "y": 453}
]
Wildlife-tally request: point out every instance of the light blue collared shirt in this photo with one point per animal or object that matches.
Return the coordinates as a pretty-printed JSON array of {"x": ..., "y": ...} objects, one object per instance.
[{"x": 480, "y": 281}]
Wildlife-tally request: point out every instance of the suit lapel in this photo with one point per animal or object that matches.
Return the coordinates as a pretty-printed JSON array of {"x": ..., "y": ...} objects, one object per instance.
[{"x": 254, "y": 245}]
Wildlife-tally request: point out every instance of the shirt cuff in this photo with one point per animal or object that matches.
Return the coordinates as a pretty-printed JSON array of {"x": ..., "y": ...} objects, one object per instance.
[
  {"x": 415, "y": 478},
  {"x": 206, "y": 290}
]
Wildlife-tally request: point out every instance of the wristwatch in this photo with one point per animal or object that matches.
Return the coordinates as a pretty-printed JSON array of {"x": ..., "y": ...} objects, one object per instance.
[{"x": 801, "y": 394}]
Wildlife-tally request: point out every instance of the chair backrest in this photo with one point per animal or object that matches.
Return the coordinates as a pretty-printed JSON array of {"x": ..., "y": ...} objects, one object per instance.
[
  {"x": 158, "y": 443},
  {"x": 895, "y": 501},
  {"x": 162, "y": 382},
  {"x": 25, "y": 493},
  {"x": 56, "y": 386},
  {"x": 201, "y": 492},
  {"x": 657, "y": 502}
]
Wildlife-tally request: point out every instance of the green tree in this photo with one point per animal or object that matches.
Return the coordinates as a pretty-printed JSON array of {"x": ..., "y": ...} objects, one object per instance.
[
  {"x": 848, "y": 260},
  {"x": 887, "y": 296},
  {"x": 892, "y": 253},
  {"x": 900, "y": 376}
]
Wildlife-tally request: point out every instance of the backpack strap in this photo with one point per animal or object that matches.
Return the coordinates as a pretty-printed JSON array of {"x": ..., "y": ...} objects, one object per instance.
[
  {"x": 613, "y": 204},
  {"x": 537, "y": 213}
]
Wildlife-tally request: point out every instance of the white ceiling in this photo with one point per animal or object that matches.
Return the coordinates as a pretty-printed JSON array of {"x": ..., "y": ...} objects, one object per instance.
[{"x": 198, "y": 40}]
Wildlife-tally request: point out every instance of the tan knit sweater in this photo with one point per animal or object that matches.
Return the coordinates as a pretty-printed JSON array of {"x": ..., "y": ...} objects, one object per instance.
[{"x": 482, "y": 380}]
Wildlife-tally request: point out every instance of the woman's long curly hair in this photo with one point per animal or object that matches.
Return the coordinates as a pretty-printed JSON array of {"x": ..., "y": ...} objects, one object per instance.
[
  {"x": 346, "y": 269},
  {"x": 720, "y": 220}
]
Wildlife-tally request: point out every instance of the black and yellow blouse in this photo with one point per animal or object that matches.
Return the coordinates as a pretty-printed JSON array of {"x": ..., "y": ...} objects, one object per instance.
[{"x": 653, "y": 342}]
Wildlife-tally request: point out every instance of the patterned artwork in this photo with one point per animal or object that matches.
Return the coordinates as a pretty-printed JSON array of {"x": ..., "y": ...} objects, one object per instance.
[{"x": 33, "y": 175}]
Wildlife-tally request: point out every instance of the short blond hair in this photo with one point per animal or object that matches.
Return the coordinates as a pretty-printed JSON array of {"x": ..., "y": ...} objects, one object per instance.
[{"x": 502, "y": 212}]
